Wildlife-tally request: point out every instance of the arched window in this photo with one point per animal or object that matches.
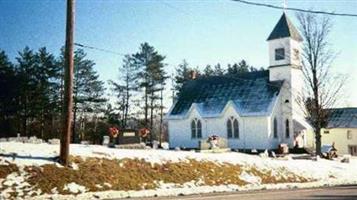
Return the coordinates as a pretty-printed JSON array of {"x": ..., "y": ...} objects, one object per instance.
[
  {"x": 236, "y": 128},
  {"x": 193, "y": 129},
  {"x": 232, "y": 128},
  {"x": 229, "y": 128},
  {"x": 199, "y": 129},
  {"x": 275, "y": 128},
  {"x": 287, "y": 129},
  {"x": 196, "y": 128}
]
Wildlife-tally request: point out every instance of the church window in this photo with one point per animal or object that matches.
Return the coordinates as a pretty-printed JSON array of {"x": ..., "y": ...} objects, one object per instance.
[
  {"x": 287, "y": 129},
  {"x": 235, "y": 128},
  {"x": 279, "y": 54},
  {"x": 196, "y": 128},
  {"x": 193, "y": 129},
  {"x": 199, "y": 129},
  {"x": 229, "y": 128},
  {"x": 232, "y": 128},
  {"x": 275, "y": 128}
]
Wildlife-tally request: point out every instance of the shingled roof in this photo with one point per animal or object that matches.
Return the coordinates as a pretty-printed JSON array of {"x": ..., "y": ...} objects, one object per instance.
[
  {"x": 342, "y": 118},
  {"x": 251, "y": 94},
  {"x": 284, "y": 28}
]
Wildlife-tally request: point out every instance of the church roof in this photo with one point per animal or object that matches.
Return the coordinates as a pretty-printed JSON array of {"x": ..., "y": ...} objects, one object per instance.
[
  {"x": 251, "y": 94},
  {"x": 284, "y": 28},
  {"x": 342, "y": 118}
]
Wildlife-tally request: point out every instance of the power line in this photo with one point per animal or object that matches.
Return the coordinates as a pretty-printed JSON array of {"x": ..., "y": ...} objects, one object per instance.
[
  {"x": 99, "y": 49},
  {"x": 296, "y": 9}
]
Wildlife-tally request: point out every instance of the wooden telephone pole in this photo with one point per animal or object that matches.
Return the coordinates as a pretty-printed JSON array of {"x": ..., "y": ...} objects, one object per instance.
[{"x": 68, "y": 85}]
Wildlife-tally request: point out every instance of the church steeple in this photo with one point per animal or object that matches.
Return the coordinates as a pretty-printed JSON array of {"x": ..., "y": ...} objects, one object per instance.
[
  {"x": 284, "y": 44},
  {"x": 284, "y": 28}
]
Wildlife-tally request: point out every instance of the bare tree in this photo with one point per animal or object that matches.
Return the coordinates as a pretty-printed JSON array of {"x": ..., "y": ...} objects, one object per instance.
[{"x": 323, "y": 87}]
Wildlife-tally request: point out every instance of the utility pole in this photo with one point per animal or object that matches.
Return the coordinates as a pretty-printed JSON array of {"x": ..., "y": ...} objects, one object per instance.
[
  {"x": 68, "y": 85},
  {"x": 161, "y": 113}
]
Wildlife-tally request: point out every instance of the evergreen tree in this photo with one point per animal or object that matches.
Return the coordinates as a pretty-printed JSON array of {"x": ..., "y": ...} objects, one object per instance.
[
  {"x": 151, "y": 73},
  {"x": 208, "y": 71},
  {"x": 218, "y": 71},
  {"x": 241, "y": 67},
  {"x": 8, "y": 96},
  {"x": 88, "y": 90},
  {"x": 27, "y": 70},
  {"x": 49, "y": 76},
  {"x": 183, "y": 73},
  {"x": 125, "y": 87}
]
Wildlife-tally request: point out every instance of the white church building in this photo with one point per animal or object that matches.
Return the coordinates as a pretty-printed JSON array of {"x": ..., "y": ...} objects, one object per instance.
[{"x": 254, "y": 110}]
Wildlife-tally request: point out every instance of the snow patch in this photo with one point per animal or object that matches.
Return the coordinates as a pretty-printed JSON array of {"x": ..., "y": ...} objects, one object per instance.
[
  {"x": 250, "y": 178},
  {"x": 75, "y": 188}
]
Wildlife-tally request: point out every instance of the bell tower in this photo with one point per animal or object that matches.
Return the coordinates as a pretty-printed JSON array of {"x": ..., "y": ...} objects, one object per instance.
[
  {"x": 285, "y": 65},
  {"x": 284, "y": 45},
  {"x": 285, "y": 55}
]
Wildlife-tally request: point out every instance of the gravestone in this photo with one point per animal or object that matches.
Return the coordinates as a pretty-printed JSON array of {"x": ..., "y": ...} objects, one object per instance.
[
  {"x": 128, "y": 136},
  {"x": 54, "y": 141},
  {"x": 165, "y": 145},
  {"x": 106, "y": 140},
  {"x": 204, "y": 144}
]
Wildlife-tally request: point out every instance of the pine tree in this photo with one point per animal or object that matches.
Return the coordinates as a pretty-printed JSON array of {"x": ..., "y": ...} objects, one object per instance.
[
  {"x": 88, "y": 90},
  {"x": 49, "y": 76},
  {"x": 8, "y": 95},
  {"x": 183, "y": 73},
  {"x": 27, "y": 72},
  {"x": 218, "y": 71},
  {"x": 125, "y": 87},
  {"x": 241, "y": 67},
  {"x": 150, "y": 65},
  {"x": 208, "y": 71}
]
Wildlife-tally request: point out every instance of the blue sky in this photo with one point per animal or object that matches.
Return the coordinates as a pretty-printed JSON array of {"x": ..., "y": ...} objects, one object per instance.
[{"x": 202, "y": 32}]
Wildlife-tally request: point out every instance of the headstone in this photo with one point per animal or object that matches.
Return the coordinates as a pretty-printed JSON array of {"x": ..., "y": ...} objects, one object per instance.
[
  {"x": 128, "y": 136},
  {"x": 85, "y": 142},
  {"x": 265, "y": 154},
  {"x": 24, "y": 139},
  {"x": 177, "y": 149},
  {"x": 106, "y": 140},
  {"x": 165, "y": 145},
  {"x": 346, "y": 159},
  {"x": 155, "y": 144},
  {"x": 205, "y": 144},
  {"x": 54, "y": 141},
  {"x": 283, "y": 149}
]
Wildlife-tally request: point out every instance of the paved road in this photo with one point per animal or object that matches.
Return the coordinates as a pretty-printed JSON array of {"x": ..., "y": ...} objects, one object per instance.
[{"x": 331, "y": 193}]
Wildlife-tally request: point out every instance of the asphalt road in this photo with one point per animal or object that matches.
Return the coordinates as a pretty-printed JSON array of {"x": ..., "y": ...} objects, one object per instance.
[{"x": 328, "y": 193}]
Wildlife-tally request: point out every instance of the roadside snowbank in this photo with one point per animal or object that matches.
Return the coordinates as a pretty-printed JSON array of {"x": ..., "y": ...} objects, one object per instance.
[{"x": 325, "y": 172}]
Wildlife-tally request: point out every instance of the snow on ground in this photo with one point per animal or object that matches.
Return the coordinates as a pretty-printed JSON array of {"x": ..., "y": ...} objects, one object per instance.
[{"x": 326, "y": 172}]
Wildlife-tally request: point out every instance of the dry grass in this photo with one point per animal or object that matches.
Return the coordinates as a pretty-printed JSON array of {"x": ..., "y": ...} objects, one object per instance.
[
  {"x": 134, "y": 174},
  {"x": 284, "y": 176},
  {"x": 7, "y": 169}
]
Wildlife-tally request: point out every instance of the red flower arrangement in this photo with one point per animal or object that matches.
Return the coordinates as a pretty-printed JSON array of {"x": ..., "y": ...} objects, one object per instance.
[{"x": 113, "y": 131}]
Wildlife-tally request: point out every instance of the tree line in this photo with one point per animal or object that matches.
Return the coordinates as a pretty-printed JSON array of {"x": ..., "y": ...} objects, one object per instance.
[
  {"x": 183, "y": 72},
  {"x": 31, "y": 93}
]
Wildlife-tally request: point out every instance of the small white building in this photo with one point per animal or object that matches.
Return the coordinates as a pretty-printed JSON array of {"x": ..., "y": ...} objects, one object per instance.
[{"x": 255, "y": 110}]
